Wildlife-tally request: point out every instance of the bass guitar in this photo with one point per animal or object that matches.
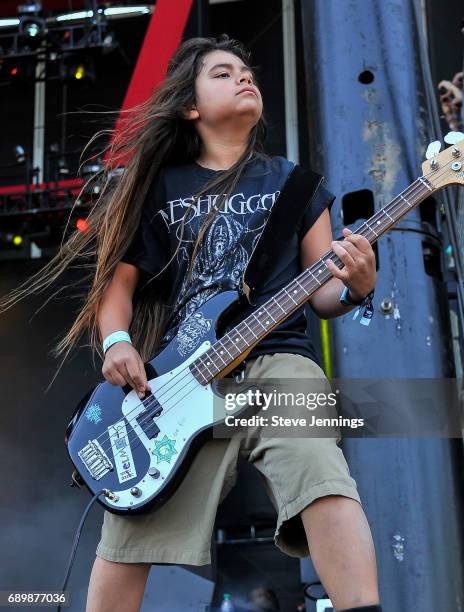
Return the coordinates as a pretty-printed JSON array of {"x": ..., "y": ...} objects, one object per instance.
[{"x": 135, "y": 451}]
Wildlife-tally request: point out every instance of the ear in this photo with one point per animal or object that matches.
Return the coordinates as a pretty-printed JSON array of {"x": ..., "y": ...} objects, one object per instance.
[{"x": 192, "y": 114}]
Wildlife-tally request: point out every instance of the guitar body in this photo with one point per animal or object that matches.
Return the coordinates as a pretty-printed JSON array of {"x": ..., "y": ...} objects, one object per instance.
[{"x": 139, "y": 450}]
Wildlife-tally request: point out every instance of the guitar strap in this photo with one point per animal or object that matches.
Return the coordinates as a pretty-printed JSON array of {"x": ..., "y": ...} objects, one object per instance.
[{"x": 286, "y": 215}]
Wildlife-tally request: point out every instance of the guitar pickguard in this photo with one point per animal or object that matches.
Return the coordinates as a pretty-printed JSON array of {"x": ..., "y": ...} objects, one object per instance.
[{"x": 185, "y": 407}]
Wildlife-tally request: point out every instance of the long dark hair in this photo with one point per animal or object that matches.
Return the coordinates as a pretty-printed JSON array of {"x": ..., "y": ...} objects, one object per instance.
[{"x": 153, "y": 134}]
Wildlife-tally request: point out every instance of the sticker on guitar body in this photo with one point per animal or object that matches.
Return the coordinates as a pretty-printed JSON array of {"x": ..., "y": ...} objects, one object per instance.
[
  {"x": 124, "y": 463},
  {"x": 164, "y": 449}
]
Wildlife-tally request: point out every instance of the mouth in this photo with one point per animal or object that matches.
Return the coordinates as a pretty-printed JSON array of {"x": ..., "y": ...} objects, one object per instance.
[{"x": 248, "y": 90}]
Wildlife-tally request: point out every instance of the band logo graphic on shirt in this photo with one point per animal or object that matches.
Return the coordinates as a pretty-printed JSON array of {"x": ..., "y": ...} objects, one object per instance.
[
  {"x": 236, "y": 205},
  {"x": 221, "y": 259}
]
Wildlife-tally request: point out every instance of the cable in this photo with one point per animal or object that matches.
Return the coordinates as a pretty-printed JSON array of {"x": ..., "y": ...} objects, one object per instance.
[{"x": 76, "y": 542}]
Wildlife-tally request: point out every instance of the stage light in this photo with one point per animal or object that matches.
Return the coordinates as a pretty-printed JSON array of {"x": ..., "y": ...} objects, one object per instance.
[
  {"x": 10, "y": 239},
  {"x": 29, "y": 8},
  {"x": 16, "y": 72},
  {"x": 9, "y": 23},
  {"x": 75, "y": 67},
  {"x": 63, "y": 166},
  {"x": 126, "y": 10},
  {"x": 31, "y": 28},
  {"x": 82, "y": 225},
  {"x": 115, "y": 11},
  {"x": 79, "y": 72},
  {"x": 78, "y": 15},
  {"x": 90, "y": 169},
  {"x": 20, "y": 154},
  {"x": 31, "y": 24},
  {"x": 109, "y": 43}
]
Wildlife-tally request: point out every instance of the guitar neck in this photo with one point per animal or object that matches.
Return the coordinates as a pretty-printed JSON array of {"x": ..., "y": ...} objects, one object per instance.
[{"x": 238, "y": 341}]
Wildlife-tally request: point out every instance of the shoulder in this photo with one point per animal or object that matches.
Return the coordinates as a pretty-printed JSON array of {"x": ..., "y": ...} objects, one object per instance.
[
  {"x": 274, "y": 163},
  {"x": 155, "y": 195},
  {"x": 301, "y": 175},
  {"x": 273, "y": 168},
  {"x": 324, "y": 196},
  {"x": 305, "y": 175}
]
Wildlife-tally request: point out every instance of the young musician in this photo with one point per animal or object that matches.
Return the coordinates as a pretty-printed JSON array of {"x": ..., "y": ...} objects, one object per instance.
[
  {"x": 178, "y": 227},
  {"x": 217, "y": 132}
]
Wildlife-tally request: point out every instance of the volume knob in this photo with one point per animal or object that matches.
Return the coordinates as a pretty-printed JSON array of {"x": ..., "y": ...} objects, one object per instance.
[
  {"x": 152, "y": 471},
  {"x": 136, "y": 492}
]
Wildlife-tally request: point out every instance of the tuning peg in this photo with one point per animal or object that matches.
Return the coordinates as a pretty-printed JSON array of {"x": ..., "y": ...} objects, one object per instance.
[
  {"x": 433, "y": 149},
  {"x": 453, "y": 137}
]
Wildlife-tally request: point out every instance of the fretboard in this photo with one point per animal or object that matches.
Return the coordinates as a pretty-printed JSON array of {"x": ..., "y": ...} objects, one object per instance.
[{"x": 272, "y": 313}]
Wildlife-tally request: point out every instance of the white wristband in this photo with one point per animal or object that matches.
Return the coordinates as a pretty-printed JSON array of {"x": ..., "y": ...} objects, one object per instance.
[{"x": 116, "y": 336}]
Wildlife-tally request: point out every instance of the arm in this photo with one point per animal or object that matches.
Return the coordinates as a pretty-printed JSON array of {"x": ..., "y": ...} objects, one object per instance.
[
  {"x": 123, "y": 364},
  {"x": 358, "y": 274},
  {"x": 115, "y": 306}
]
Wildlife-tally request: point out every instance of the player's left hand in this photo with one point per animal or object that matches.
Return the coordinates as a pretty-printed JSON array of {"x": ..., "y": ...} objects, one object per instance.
[{"x": 359, "y": 273}]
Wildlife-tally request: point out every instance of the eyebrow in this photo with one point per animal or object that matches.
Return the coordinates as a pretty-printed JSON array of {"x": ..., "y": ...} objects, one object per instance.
[{"x": 242, "y": 68}]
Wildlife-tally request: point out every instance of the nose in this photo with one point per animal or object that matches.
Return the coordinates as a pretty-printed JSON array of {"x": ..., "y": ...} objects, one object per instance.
[{"x": 246, "y": 77}]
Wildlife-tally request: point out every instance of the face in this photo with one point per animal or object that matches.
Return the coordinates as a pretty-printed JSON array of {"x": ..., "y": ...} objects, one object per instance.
[{"x": 219, "y": 92}]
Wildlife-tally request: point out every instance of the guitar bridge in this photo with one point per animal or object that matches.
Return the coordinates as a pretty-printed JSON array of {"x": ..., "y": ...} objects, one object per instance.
[{"x": 95, "y": 459}]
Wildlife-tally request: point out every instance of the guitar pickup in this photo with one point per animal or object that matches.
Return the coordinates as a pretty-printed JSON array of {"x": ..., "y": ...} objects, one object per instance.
[
  {"x": 148, "y": 426},
  {"x": 147, "y": 420}
]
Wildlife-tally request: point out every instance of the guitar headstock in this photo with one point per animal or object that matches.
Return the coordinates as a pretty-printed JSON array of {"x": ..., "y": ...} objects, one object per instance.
[{"x": 445, "y": 168}]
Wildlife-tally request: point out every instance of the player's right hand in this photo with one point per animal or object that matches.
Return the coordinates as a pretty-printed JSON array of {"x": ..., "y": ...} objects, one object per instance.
[{"x": 123, "y": 365}]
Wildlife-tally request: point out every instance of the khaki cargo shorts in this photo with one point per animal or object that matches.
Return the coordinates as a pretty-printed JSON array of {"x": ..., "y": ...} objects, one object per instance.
[{"x": 296, "y": 471}]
